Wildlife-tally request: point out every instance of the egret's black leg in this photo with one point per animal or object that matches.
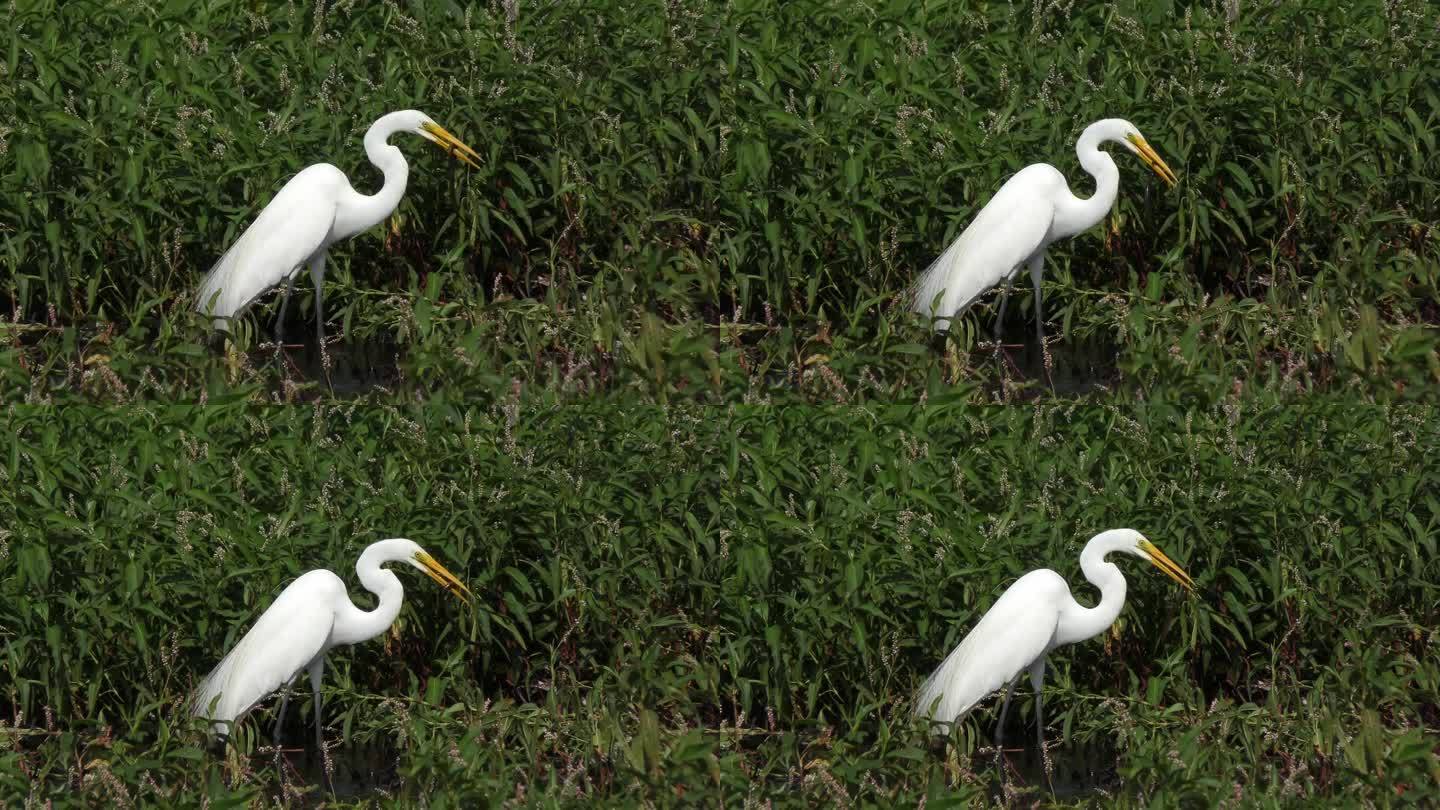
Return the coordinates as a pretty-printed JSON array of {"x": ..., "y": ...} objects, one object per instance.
[
  {"x": 317, "y": 274},
  {"x": 284, "y": 304},
  {"x": 1004, "y": 302},
  {"x": 280, "y": 723},
  {"x": 317, "y": 671},
  {"x": 280, "y": 716},
  {"x": 1004, "y": 710},
  {"x": 1037, "y": 680},
  {"x": 1037, "y": 269}
]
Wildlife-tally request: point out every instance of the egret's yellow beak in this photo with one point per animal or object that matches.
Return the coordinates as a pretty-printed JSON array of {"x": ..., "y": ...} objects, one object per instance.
[
  {"x": 442, "y": 576},
  {"x": 451, "y": 144},
  {"x": 1167, "y": 565},
  {"x": 1151, "y": 159}
]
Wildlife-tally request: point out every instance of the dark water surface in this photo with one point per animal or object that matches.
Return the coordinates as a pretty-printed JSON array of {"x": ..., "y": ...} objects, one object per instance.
[
  {"x": 1075, "y": 368},
  {"x": 1076, "y": 770},
  {"x": 357, "y": 771},
  {"x": 355, "y": 367}
]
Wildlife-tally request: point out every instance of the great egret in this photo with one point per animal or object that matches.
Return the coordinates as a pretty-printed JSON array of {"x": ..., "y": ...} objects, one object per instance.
[
  {"x": 312, "y": 616},
  {"x": 1034, "y": 616},
  {"x": 1030, "y": 212},
  {"x": 313, "y": 211}
]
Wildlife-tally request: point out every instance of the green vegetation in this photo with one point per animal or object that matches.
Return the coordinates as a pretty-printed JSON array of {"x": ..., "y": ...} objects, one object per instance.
[
  {"x": 708, "y": 604},
  {"x": 644, "y": 380},
  {"x": 696, "y": 196}
]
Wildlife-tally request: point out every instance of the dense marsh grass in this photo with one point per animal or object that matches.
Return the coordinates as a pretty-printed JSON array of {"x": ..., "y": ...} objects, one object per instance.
[
  {"x": 645, "y": 380},
  {"x": 707, "y": 604},
  {"x": 668, "y": 186}
]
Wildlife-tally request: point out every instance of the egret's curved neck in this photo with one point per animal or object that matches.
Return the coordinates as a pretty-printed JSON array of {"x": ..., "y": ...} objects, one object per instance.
[
  {"x": 1079, "y": 623},
  {"x": 1074, "y": 215},
  {"x": 353, "y": 625},
  {"x": 363, "y": 211}
]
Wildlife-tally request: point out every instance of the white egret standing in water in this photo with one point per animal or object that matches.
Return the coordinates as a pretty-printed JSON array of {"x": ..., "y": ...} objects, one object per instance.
[
  {"x": 313, "y": 211},
  {"x": 1032, "y": 210},
  {"x": 312, "y": 616},
  {"x": 1034, "y": 616}
]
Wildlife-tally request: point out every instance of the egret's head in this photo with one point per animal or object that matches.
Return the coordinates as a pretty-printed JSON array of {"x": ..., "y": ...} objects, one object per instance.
[
  {"x": 410, "y": 552},
  {"x": 1133, "y": 542},
  {"x": 1128, "y": 135},
  {"x": 425, "y": 126}
]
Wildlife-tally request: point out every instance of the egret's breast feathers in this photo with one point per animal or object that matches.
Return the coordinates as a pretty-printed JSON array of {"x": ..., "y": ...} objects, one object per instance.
[
  {"x": 287, "y": 232},
  {"x": 1011, "y": 227},
  {"x": 286, "y": 637},
  {"x": 1013, "y": 633}
]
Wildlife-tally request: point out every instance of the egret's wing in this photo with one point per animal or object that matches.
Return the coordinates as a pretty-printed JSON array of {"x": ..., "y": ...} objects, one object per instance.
[
  {"x": 1014, "y": 632},
  {"x": 287, "y": 636},
  {"x": 293, "y": 226},
  {"x": 1006, "y": 232}
]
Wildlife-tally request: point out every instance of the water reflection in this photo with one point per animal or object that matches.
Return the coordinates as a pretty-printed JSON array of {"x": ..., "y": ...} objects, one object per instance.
[
  {"x": 1077, "y": 367},
  {"x": 356, "y": 770},
  {"x": 1077, "y": 770},
  {"x": 355, "y": 367}
]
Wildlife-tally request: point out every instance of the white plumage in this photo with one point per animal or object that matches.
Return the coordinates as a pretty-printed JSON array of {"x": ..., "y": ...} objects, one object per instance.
[
  {"x": 295, "y": 227},
  {"x": 1032, "y": 210},
  {"x": 1015, "y": 632},
  {"x": 313, "y": 211},
  {"x": 1032, "y": 617},
  {"x": 290, "y": 636},
  {"x": 1004, "y": 235},
  {"x": 312, "y": 616}
]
